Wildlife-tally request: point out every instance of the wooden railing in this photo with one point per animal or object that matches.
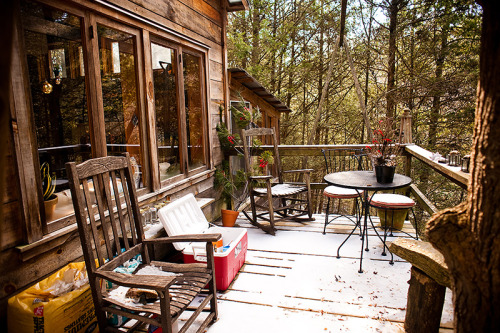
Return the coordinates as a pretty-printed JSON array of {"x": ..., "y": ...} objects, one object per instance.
[{"x": 409, "y": 153}]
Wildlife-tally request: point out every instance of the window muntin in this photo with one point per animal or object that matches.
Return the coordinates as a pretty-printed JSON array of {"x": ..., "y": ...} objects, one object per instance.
[
  {"x": 166, "y": 109},
  {"x": 53, "y": 45},
  {"x": 119, "y": 95}
]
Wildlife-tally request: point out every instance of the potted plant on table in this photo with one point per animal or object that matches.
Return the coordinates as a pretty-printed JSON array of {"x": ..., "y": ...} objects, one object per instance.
[
  {"x": 48, "y": 187},
  {"x": 384, "y": 151}
]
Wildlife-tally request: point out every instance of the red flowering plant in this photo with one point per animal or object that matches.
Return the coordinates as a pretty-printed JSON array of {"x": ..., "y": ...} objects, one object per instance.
[
  {"x": 227, "y": 139},
  {"x": 243, "y": 116},
  {"x": 264, "y": 159},
  {"x": 384, "y": 149}
]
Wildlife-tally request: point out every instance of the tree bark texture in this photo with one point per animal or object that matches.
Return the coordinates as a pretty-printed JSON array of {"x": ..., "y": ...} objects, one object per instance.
[{"x": 469, "y": 235}]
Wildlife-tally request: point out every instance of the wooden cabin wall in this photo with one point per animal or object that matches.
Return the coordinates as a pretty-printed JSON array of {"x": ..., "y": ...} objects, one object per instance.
[{"x": 199, "y": 20}]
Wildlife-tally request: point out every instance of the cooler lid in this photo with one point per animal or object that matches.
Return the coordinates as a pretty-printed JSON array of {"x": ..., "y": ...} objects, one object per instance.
[{"x": 181, "y": 217}]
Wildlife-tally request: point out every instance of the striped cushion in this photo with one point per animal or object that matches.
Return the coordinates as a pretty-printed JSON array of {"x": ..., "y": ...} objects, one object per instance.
[
  {"x": 340, "y": 192},
  {"x": 280, "y": 190},
  {"x": 387, "y": 200}
]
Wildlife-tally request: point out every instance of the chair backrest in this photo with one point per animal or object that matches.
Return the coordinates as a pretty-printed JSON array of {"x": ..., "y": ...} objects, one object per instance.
[
  {"x": 106, "y": 208},
  {"x": 345, "y": 159},
  {"x": 263, "y": 134}
]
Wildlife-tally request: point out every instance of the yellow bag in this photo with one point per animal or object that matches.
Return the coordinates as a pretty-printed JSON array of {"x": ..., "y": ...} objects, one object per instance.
[{"x": 51, "y": 306}]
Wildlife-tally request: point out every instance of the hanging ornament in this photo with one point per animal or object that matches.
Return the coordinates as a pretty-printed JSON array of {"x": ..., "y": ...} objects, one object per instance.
[{"x": 46, "y": 87}]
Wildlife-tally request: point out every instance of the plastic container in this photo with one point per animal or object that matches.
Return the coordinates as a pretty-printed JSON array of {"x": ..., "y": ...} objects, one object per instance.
[{"x": 183, "y": 216}]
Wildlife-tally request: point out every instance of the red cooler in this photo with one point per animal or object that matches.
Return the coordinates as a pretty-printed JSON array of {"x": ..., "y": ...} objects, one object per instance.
[{"x": 183, "y": 216}]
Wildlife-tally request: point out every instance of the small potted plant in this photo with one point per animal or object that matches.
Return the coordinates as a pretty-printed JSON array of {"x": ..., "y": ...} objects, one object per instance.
[
  {"x": 233, "y": 186},
  {"x": 48, "y": 187},
  {"x": 233, "y": 189},
  {"x": 384, "y": 151}
]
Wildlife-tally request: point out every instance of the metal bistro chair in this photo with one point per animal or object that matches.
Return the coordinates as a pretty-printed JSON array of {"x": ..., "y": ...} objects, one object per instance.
[
  {"x": 391, "y": 203},
  {"x": 283, "y": 199},
  {"x": 111, "y": 233},
  {"x": 337, "y": 160}
]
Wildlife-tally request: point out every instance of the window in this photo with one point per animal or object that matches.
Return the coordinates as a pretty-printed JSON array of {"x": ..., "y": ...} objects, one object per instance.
[
  {"x": 74, "y": 121},
  {"x": 119, "y": 96},
  {"x": 166, "y": 110},
  {"x": 57, "y": 85},
  {"x": 194, "y": 105},
  {"x": 180, "y": 110}
]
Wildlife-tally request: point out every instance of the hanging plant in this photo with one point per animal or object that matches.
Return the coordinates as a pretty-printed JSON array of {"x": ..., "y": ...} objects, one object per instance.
[
  {"x": 227, "y": 140},
  {"x": 243, "y": 116}
]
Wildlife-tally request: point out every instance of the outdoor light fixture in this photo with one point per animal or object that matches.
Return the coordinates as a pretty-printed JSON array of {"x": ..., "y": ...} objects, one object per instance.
[
  {"x": 466, "y": 163},
  {"x": 454, "y": 158}
]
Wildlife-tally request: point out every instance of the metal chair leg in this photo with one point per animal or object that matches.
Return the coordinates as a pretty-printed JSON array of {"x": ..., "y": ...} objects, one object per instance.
[{"x": 326, "y": 217}]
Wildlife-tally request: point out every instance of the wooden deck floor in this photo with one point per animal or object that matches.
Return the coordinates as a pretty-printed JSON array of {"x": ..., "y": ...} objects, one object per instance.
[{"x": 293, "y": 282}]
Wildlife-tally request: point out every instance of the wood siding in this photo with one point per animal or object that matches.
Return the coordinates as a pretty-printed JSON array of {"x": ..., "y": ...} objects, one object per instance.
[{"x": 191, "y": 21}]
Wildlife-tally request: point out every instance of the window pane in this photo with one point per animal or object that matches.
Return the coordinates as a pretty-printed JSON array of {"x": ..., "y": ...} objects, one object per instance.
[
  {"x": 57, "y": 84},
  {"x": 193, "y": 102},
  {"x": 167, "y": 121},
  {"x": 119, "y": 90}
]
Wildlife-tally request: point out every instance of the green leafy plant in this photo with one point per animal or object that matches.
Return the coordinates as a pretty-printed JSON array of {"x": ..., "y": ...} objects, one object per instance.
[
  {"x": 227, "y": 139},
  {"x": 243, "y": 116},
  {"x": 48, "y": 182},
  {"x": 233, "y": 188}
]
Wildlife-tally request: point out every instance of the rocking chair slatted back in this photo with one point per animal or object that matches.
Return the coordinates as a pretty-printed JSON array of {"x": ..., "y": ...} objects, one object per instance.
[
  {"x": 261, "y": 132},
  {"x": 117, "y": 208}
]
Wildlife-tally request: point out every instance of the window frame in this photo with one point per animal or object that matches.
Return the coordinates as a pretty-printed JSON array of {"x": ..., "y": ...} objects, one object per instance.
[{"x": 180, "y": 48}]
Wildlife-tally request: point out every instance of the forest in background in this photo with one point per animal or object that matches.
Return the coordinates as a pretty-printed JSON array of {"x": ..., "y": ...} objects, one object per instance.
[{"x": 416, "y": 55}]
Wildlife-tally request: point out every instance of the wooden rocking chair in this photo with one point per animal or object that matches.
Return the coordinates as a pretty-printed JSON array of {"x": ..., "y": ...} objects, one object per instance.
[
  {"x": 111, "y": 234},
  {"x": 283, "y": 199}
]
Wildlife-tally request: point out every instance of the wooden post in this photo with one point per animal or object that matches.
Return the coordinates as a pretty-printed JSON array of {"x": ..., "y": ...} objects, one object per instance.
[
  {"x": 425, "y": 303},
  {"x": 405, "y": 135}
]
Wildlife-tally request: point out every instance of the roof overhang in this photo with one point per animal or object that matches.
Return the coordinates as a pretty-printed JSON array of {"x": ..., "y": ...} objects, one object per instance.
[
  {"x": 236, "y": 5},
  {"x": 246, "y": 80}
]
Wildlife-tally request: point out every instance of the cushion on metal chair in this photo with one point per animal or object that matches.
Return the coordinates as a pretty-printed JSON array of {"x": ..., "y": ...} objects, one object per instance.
[
  {"x": 388, "y": 200},
  {"x": 341, "y": 193},
  {"x": 281, "y": 190}
]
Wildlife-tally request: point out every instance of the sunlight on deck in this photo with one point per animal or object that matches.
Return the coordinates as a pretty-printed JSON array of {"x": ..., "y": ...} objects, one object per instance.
[{"x": 293, "y": 282}]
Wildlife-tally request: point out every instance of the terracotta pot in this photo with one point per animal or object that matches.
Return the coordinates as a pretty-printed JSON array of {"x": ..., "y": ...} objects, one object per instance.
[
  {"x": 229, "y": 217},
  {"x": 50, "y": 207}
]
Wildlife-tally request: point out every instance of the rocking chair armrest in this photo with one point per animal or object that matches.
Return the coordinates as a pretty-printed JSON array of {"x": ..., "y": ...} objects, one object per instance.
[
  {"x": 299, "y": 171},
  {"x": 154, "y": 282},
  {"x": 260, "y": 177},
  {"x": 186, "y": 238}
]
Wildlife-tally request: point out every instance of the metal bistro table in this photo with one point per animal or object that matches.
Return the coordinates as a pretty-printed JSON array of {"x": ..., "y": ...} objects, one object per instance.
[{"x": 366, "y": 181}]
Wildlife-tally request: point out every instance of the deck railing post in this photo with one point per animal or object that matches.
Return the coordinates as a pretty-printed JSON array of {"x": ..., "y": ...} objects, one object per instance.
[{"x": 405, "y": 128}]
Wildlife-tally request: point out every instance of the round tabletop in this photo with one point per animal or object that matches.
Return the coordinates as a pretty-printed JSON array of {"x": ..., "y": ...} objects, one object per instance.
[{"x": 365, "y": 180}]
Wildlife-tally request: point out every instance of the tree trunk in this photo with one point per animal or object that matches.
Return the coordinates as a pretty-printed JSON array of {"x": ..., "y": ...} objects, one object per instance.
[
  {"x": 391, "y": 66},
  {"x": 469, "y": 235},
  {"x": 437, "y": 89},
  {"x": 359, "y": 92}
]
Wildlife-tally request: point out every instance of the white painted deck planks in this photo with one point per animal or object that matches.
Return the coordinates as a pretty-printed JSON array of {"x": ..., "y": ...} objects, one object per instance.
[{"x": 293, "y": 282}]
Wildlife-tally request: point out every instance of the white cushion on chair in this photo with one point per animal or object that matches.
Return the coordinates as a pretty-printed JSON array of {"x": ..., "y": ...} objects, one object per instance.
[
  {"x": 388, "y": 200},
  {"x": 281, "y": 190},
  {"x": 340, "y": 192}
]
